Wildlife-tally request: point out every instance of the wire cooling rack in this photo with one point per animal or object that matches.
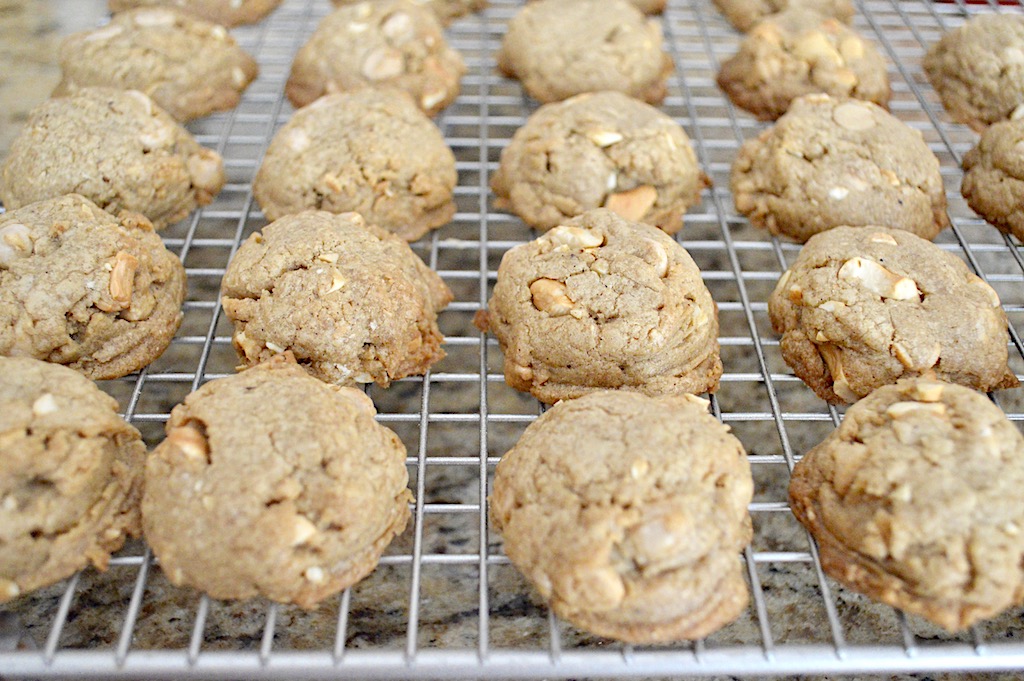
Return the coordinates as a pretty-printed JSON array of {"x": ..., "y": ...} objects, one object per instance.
[{"x": 445, "y": 602}]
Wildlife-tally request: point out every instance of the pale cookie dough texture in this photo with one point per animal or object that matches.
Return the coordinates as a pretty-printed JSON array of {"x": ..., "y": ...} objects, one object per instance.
[
  {"x": 351, "y": 301},
  {"x": 446, "y": 11},
  {"x": 116, "y": 148},
  {"x": 70, "y": 475},
  {"x": 560, "y": 48},
  {"x": 993, "y": 181},
  {"x": 369, "y": 151},
  {"x": 83, "y": 288},
  {"x": 601, "y": 302},
  {"x": 593, "y": 150},
  {"x": 388, "y": 43},
  {"x": 225, "y": 12},
  {"x": 628, "y": 513},
  {"x": 865, "y": 306},
  {"x": 978, "y": 70},
  {"x": 797, "y": 53},
  {"x": 188, "y": 66},
  {"x": 745, "y": 14},
  {"x": 271, "y": 483},
  {"x": 910, "y": 500},
  {"x": 830, "y": 162}
]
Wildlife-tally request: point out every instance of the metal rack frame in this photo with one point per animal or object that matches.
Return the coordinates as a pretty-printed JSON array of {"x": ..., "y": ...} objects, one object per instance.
[{"x": 457, "y": 420}]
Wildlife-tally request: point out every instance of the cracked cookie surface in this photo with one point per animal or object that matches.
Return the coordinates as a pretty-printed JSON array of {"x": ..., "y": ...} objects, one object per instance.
[
  {"x": 272, "y": 483},
  {"x": 800, "y": 52},
  {"x": 189, "y": 67},
  {"x": 224, "y": 12},
  {"x": 82, "y": 288},
  {"x": 601, "y": 302},
  {"x": 745, "y": 14},
  {"x": 369, "y": 151},
  {"x": 70, "y": 475},
  {"x": 388, "y": 43},
  {"x": 978, "y": 69},
  {"x": 865, "y": 306},
  {"x": 351, "y": 301},
  {"x": 128, "y": 154},
  {"x": 561, "y": 48},
  {"x": 601, "y": 149},
  {"x": 446, "y": 11},
  {"x": 830, "y": 162},
  {"x": 628, "y": 514},
  {"x": 908, "y": 500},
  {"x": 993, "y": 182}
]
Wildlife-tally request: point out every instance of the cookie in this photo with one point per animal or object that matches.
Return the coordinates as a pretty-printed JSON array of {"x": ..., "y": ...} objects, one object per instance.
[
  {"x": 650, "y": 6},
  {"x": 224, "y": 12},
  {"x": 129, "y": 155},
  {"x": 446, "y": 11},
  {"x": 863, "y": 307},
  {"x": 593, "y": 150},
  {"x": 188, "y": 66},
  {"x": 271, "y": 483},
  {"x": 369, "y": 151},
  {"x": 389, "y": 43},
  {"x": 799, "y": 52},
  {"x": 830, "y": 162},
  {"x": 993, "y": 182},
  {"x": 745, "y": 14},
  {"x": 83, "y": 288},
  {"x": 602, "y": 302},
  {"x": 560, "y": 48},
  {"x": 908, "y": 500},
  {"x": 351, "y": 301},
  {"x": 70, "y": 475},
  {"x": 627, "y": 513},
  {"x": 978, "y": 69}
]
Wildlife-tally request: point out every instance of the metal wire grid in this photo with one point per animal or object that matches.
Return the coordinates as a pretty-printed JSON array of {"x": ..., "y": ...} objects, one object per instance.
[{"x": 445, "y": 601}]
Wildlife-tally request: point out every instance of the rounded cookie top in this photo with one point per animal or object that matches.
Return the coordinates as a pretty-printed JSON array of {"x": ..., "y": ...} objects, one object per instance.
[
  {"x": 271, "y": 483},
  {"x": 70, "y": 475},
  {"x": 446, "y": 11},
  {"x": 83, "y": 288},
  {"x": 978, "y": 69},
  {"x": 224, "y": 12},
  {"x": 392, "y": 43},
  {"x": 865, "y": 306},
  {"x": 830, "y": 162},
  {"x": 369, "y": 151},
  {"x": 993, "y": 182},
  {"x": 908, "y": 502},
  {"x": 188, "y": 66},
  {"x": 599, "y": 149},
  {"x": 800, "y": 52},
  {"x": 351, "y": 301},
  {"x": 129, "y": 155},
  {"x": 560, "y": 48},
  {"x": 745, "y": 14},
  {"x": 601, "y": 302},
  {"x": 627, "y": 513}
]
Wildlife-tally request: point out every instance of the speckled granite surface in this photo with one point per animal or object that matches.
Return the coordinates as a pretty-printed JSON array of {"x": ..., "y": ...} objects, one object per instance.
[{"x": 450, "y": 440}]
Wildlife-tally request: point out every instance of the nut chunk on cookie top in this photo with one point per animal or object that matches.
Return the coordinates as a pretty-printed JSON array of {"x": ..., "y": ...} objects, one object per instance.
[
  {"x": 369, "y": 151},
  {"x": 224, "y": 12},
  {"x": 627, "y": 513},
  {"x": 271, "y": 483},
  {"x": 993, "y": 181},
  {"x": 865, "y": 306},
  {"x": 913, "y": 502},
  {"x": 83, "y": 288},
  {"x": 601, "y": 302},
  {"x": 560, "y": 48},
  {"x": 351, "y": 301},
  {"x": 70, "y": 475},
  {"x": 601, "y": 149},
  {"x": 830, "y": 162}
]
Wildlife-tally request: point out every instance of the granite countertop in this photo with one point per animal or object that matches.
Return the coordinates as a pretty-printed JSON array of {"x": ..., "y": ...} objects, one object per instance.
[{"x": 30, "y": 31}]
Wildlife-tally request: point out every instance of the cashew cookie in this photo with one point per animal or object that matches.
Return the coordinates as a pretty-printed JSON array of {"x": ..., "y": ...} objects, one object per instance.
[
  {"x": 745, "y": 14},
  {"x": 446, "y": 11},
  {"x": 224, "y": 12},
  {"x": 993, "y": 181}
]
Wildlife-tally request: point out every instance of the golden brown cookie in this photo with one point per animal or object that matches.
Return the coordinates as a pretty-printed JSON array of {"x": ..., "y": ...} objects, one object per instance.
[
  {"x": 446, "y": 11},
  {"x": 745, "y": 14},
  {"x": 224, "y": 12},
  {"x": 70, "y": 475},
  {"x": 627, "y": 513},
  {"x": 271, "y": 483},
  {"x": 993, "y": 181}
]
